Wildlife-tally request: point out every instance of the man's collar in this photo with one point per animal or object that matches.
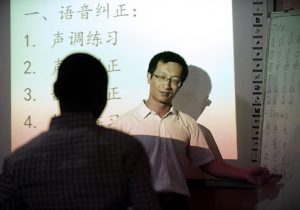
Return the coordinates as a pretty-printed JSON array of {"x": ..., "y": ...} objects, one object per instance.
[{"x": 144, "y": 111}]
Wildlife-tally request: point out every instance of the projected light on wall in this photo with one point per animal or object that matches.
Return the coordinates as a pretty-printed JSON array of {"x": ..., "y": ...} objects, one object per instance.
[{"x": 124, "y": 35}]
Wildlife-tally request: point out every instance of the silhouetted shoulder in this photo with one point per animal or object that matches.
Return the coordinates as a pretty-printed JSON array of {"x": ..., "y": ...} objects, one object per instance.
[{"x": 26, "y": 149}]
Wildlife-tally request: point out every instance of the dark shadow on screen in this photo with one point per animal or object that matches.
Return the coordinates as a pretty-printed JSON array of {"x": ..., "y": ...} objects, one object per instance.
[
  {"x": 193, "y": 95},
  {"x": 193, "y": 98}
]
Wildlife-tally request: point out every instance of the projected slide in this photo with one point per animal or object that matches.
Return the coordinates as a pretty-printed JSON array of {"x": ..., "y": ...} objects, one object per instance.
[{"x": 124, "y": 35}]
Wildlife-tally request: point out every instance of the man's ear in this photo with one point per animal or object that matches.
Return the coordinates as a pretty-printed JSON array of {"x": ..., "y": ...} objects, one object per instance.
[
  {"x": 148, "y": 77},
  {"x": 56, "y": 90}
]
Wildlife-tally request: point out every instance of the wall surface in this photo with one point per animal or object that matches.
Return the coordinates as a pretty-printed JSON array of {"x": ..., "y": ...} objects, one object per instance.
[{"x": 4, "y": 81}]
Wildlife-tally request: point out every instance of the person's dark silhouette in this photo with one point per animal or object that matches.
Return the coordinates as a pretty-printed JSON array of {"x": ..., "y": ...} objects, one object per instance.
[{"x": 77, "y": 164}]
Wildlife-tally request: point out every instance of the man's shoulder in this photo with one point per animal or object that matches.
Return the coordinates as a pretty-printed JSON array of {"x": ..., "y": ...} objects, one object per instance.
[
  {"x": 27, "y": 149},
  {"x": 128, "y": 117},
  {"x": 131, "y": 112},
  {"x": 186, "y": 117},
  {"x": 188, "y": 122}
]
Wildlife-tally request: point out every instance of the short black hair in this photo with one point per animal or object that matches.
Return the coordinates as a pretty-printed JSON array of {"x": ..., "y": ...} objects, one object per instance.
[
  {"x": 168, "y": 56},
  {"x": 81, "y": 83}
]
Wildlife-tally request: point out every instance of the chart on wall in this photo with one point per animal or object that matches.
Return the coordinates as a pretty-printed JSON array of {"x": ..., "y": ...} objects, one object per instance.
[
  {"x": 281, "y": 122},
  {"x": 124, "y": 35}
]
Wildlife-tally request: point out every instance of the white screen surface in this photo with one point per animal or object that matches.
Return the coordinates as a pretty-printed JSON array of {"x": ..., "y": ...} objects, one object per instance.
[{"x": 124, "y": 35}]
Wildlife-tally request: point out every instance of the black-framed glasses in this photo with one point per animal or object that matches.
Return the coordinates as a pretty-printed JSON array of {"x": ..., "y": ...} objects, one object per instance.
[{"x": 173, "y": 80}]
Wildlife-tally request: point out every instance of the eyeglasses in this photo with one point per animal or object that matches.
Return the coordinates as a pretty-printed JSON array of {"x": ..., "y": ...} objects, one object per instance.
[{"x": 174, "y": 81}]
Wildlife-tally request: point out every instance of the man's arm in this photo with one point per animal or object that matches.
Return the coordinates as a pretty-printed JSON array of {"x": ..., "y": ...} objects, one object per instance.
[{"x": 255, "y": 175}]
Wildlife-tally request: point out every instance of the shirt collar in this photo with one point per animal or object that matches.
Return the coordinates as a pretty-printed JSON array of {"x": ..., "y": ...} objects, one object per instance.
[{"x": 144, "y": 111}]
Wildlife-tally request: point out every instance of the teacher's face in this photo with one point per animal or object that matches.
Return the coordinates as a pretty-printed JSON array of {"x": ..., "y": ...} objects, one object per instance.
[{"x": 164, "y": 82}]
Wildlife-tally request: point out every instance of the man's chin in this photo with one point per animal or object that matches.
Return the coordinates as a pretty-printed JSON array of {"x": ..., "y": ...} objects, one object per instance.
[{"x": 166, "y": 102}]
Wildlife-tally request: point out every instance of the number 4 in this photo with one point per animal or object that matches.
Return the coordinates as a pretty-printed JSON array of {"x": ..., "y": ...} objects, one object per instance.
[{"x": 28, "y": 122}]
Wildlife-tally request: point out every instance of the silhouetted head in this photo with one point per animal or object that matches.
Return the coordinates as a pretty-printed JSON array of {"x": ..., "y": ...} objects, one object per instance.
[
  {"x": 81, "y": 84},
  {"x": 193, "y": 97},
  {"x": 168, "y": 56}
]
